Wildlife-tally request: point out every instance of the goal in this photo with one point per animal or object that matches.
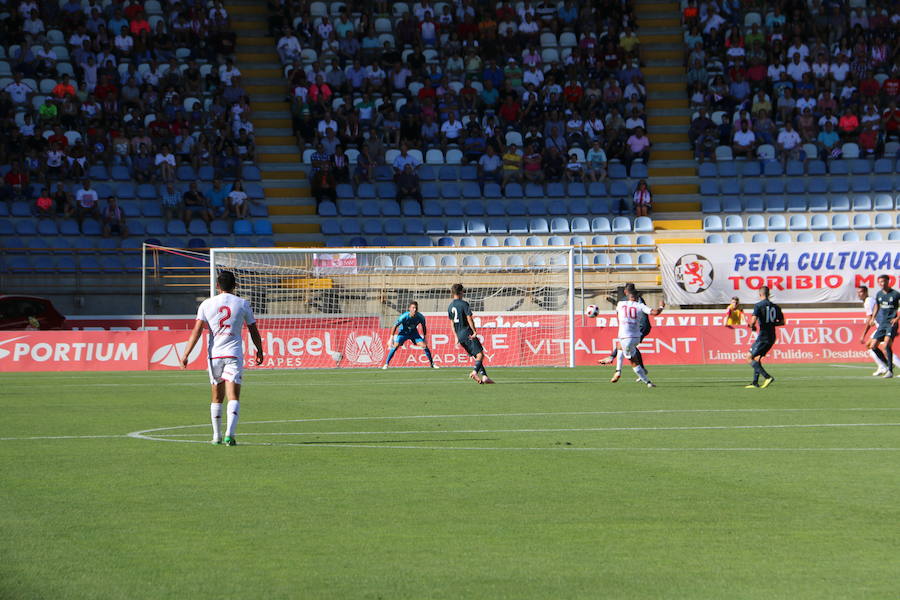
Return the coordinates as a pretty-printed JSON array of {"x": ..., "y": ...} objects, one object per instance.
[{"x": 320, "y": 307}]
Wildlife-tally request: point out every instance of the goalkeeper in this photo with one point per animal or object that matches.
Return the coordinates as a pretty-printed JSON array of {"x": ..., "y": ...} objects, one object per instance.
[{"x": 408, "y": 324}]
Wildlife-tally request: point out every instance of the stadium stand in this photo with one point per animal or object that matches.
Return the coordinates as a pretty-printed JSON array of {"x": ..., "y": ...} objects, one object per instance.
[{"x": 122, "y": 121}]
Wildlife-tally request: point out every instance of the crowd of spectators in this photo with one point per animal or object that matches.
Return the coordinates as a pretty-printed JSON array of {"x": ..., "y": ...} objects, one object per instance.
[
  {"x": 129, "y": 84},
  {"x": 529, "y": 91},
  {"x": 793, "y": 75}
]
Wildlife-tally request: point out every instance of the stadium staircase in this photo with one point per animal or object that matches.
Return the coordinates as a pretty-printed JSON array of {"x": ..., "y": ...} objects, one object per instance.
[
  {"x": 673, "y": 174},
  {"x": 291, "y": 208}
]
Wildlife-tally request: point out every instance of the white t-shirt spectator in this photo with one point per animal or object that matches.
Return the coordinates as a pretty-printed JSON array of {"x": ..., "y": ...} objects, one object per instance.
[
  {"x": 451, "y": 130},
  {"x": 324, "y": 126},
  {"x": 226, "y": 74},
  {"x": 33, "y": 26},
  {"x": 797, "y": 70},
  {"x": 820, "y": 70},
  {"x": 789, "y": 139},
  {"x": 744, "y": 138},
  {"x": 803, "y": 103},
  {"x": 18, "y": 92},
  {"x": 401, "y": 161},
  {"x": 164, "y": 158},
  {"x": 290, "y": 45},
  {"x": 529, "y": 28},
  {"x": 632, "y": 122},
  {"x": 714, "y": 22},
  {"x": 490, "y": 164},
  {"x": 76, "y": 40},
  {"x": 774, "y": 72},
  {"x": 536, "y": 77},
  {"x": 55, "y": 158},
  {"x": 803, "y": 51},
  {"x": 124, "y": 43},
  {"x": 237, "y": 197},
  {"x": 839, "y": 70},
  {"x": 86, "y": 198}
]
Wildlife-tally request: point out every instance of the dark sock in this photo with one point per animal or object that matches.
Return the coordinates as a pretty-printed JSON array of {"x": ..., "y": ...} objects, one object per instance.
[
  {"x": 879, "y": 353},
  {"x": 428, "y": 354},
  {"x": 889, "y": 358},
  {"x": 763, "y": 371},
  {"x": 756, "y": 368},
  {"x": 637, "y": 360},
  {"x": 614, "y": 353},
  {"x": 391, "y": 355},
  {"x": 478, "y": 367}
]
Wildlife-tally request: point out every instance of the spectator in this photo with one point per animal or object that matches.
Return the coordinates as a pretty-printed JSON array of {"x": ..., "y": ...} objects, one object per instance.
[
  {"x": 533, "y": 165},
  {"x": 238, "y": 203},
  {"x": 113, "y": 219},
  {"x": 408, "y": 185},
  {"x": 512, "y": 165},
  {"x": 489, "y": 167},
  {"x": 643, "y": 200},
  {"x": 142, "y": 166},
  {"x": 788, "y": 143},
  {"x": 364, "y": 172},
  {"x": 848, "y": 126},
  {"x": 744, "y": 141},
  {"x": 595, "y": 168},
  {"x": 403, "y": 159},
  {"x": 195, "y": 203},
  {"x": 217, "y": 196},
  {"x": 172, "y": 203},
  {"x": 87, "y": 202},
  {"x": 44, "y": 204},
  {"x": 554, "y": 165},
  {"x": 637, "y": 147},
  {"x": 14, "y": 183},
  {"x": 828, "y": 141},
  {"x": 165, "y": 162},
  {"x": 323, "y": 185},
  {"x": 574, "y": 169}
]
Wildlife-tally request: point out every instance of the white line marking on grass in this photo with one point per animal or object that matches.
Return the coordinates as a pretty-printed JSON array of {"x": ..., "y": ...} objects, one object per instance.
[
  {"x": 60, "y": 437},
  {"x": 852, "y": 366}
]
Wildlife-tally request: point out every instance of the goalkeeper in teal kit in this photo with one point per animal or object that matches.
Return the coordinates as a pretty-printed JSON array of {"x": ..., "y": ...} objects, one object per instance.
[{"x": 408, "y": 325}]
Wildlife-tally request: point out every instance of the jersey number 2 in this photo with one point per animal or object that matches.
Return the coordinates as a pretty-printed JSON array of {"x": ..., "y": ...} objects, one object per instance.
[
  {"x": 225, "y": 311},
  {"x": 455, "y": 314}
]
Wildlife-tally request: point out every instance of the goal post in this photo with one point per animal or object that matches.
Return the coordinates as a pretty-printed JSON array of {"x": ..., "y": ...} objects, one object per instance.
[{"x": 327, "y": 307}]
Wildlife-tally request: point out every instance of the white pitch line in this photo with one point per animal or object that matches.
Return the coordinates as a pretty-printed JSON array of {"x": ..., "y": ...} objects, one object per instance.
[
  {"x": 60, "y": 437},
  {"x": 560, "y": 449},
  {"x": 553, "y": 430}
]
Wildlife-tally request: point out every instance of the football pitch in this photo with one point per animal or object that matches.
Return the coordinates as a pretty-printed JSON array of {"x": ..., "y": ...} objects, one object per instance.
[{"x": 420, "y": 484}]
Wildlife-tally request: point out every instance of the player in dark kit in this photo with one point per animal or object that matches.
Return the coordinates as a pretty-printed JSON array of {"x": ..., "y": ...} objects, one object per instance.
[
  {"x": 461, "y": 317},
  {"x": 887, "y": 300},
  {"x": 765, "y": 318}
]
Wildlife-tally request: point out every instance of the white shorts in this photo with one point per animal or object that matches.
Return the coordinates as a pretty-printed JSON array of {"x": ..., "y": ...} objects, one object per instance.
[
  {"x": 629, "y": 345},
  {"x": 225, "y": 369}
]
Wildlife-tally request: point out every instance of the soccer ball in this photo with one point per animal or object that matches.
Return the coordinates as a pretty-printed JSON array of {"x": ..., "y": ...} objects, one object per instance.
[{"x": 592, "y": 311}]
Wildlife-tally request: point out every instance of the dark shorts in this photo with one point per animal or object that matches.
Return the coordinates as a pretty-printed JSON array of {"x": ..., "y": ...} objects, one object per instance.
[
  {"x": 472, "y": 346},
  {"x": 761, "y": 346},
  {"x": 885, "y": 331}
]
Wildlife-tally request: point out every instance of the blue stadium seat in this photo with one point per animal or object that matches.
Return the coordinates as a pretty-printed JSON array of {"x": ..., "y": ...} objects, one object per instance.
[
  {"x": 805, "y": 237},
  {"x": 714, "y": 238},
  {"x": 616, "y": 171},
  {"x": 468, "y": 173},
  {"x": 68, "y": 227},
  {"x": 861, "y": 202},
  {"x": 774, "y": 186},
  {"x": 752, "y": 187},
  {"x": 136, "y": 227},
  {"x": 467, "y": 242},
  {"x": 794, "y": 168},
  {"x": 596, "y": 189},
  {"x": 817, "y": 203},
  {"x": 839, "y": 167},
  {"x": 600, "y": 240},
  {"x": 330, "y": 227},
  {"x": 262, "y": 227},
  {"x": 455, "y": 226},
  {"x": 536, "y": 207},
  {"x": 518, "y": 225},
  {"x": 816, "y": 185},
  {"x": 840, "y": 221},
  {"x": 840, "y": 203},
  {"x": 432, "y": 208},
  {"x": 386, "y": 190},
  {"x": 838, "y": 185},
  {"x": 731, "y": 205},
  {"x": 513, "y": 190},
  {"x": 619, "y": 189},
  {"x": 760, "y": 238},
  {"x": 862, "y": 222},
  {"x": 176, "y": 228},
  {"x": 516, "y": 208},
  {"x": 777, "y": 223},
  {"x": 712, "y": 223},
  {"x": 711, "y": 205},
  {"x": 736, "y": 238},
  {"x": 370, "y": 208},
  {"x": 538, "y": 225},
  {"x": 512, "y": 242},
  {"x": 555, "y": 240},
  {"x": 243, "y": 227},
  {"x": 98, "y": 173},
  {"x": 206, "y": 173},
  {"x": 445, "y": 242},
  {"x": 393, "y": 227},
  {"x": 411, "y": 208},
  {"x": 734, "y": 223},
  {"x": 88, "y": 264},
  {"x": 599, "y": 206},
  {"x": 894, "y": 236},
  {"x": 850, "y": 236},
  {"x": 783, "y": 238},
  {"x": 643, "y": 225},
  {"x": 860, "y": 166},
  {"x": 882, "y": 184},
  {"x": 327, "y": 209},
  {"x": 639, "y": 171},
  {"x": 884, "y": 202},
  {"x": 756, "y": 223},
  {"x": 365, "y": 191},
  {"x": 816, "y": 167},
  {"x": 772, "y": 169},
  {"x": 749, "y": 168},
  {"x": 621, "y": 224},
  {"x": 775, "y": 204},
  {"x": 754, "y": 204},
  {"x": 874, "y": 236},
  {"x": 344, "y": 190},
  {"x": 20, "y": 209},
  {"x": 251, "y": 173},
  {"x": 577, "y": 240},
  {"x": 453, "y": 208},
  {"x": 390, "y": 208},
  {"x": 624, "y": 259},
  {"x": 47, "y": 227},
  {"x": 413, "y": 227},
  {"x": 556, "y": 190},
  {"x": 819, "y": 222},
  {"x": 197, "y": 227},
  {"x": 730, "y": 187},
  {"x": 4, "y": 209},
  {"x": 884, "y": 165},
  {"x": 559, "y": 225},
  {"x": 384, "y": 173},
  {"x": 435, "y": 226},
  {"x": 473, "y": 208},
  {"x": 576, "y": 190},
  {"x": 120, "y": 173},
  {"x": 450, "y": 190},
  {"x": 707, "y": 169},
  {"x": 372, "y": 227},
  {"x": 26, "y": 228},
  {"x": 709, "y": 188},
  {"x": 797, "y": 222},
  {"x": 219, "y": 227},
  {"x": 557, "y": 208},
  {"x": 796, "y": 204},
  {"x": 426, "y": 173},
  {"x": 492, "y": 190},
  {"x": 601, "y": 260},
  {"x": 447, "y": 173},
  {"x": 185, "y": 173},
  {"x": 533, "y": 190},
  {"x": 124, "y": 190},
  {"x": 146, "y": 191},
  {"x": 860, "y": 184},
  {"x": 601, "y": 225},
  {"x": 578, "y": 206},
  {"x": 727, "y": 168},
  {"x": 580, "y": 225}
]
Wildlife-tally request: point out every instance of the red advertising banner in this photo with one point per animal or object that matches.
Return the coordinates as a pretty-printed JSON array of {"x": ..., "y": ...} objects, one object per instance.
[{"x": 690, "y": 337}]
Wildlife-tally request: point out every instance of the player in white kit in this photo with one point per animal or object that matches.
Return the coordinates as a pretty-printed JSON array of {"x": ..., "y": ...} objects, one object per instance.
[
  {"x": 224, "y": 316},
  {"x": 870, "y": 308},
  {"x": 629, "y": 313}
]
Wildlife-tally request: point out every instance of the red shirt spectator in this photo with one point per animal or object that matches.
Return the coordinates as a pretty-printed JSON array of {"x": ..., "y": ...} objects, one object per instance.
[
  {"x": 63, "y": 89},
  {"x": 869, "y": 87},
  {"x": 427, "y": 91},
  {"x": 104, "y": 90},
  {"x": 510, "y": 110},
  {"x": 573, "y": 93},
  {"x": 891, "y": 87},
  {"x": 139, "y": 25},
  {"x": 60, "y": 139},
  {"x": 891, "y": 118},
  {"x": 16, "y": 179},
  {"x": 848, "y": 123},
  {"x": 133, "y": 10},
  {"x": 756, "y": 73}
]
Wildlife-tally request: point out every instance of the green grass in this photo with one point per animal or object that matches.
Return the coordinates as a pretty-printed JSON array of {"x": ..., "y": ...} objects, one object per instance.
[{"x": 551, "y": 484}]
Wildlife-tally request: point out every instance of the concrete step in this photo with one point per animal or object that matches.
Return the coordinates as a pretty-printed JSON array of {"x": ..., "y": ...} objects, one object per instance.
[
  {"x": 276, "y": 140},
  {"x": 665, "y": 138},
  {"x": 254, "y": 89},
  {"x": 675, "y": 237},
  {"x": 657, "y": 69},
  {"x": 666, "y": 103},
  {"x": 281, "y": 124},
  {"x": 266, "y": 106},
  {"x": 277, "y": 149},
  {"x": 676, "y": 188},
  {"x": 659, "y": 21},
  {"x": 645, "y": 7},
  {"x": 675, "y": 197},
  {"x": 270, "y": 114},
  {"x": 286, "y": 189},
  {"x": 654, "y": 129},
  {"x": 304, "y": 218},
  {"x": 267, "y": 159},
  {"x": 247, "y": 9},
  {"x": 296, "y": 228},
  {"x": 673, "y": 154},
  {"x": 672, "y": 207},
  {"x": 658, "y": 37},
  {"x": 664, "y": 119},
  {"x": 272, "y": 172},
  {"x": 247, "y": 24},
  {"x": 293, "y": 211},
  {"x": 672, "y": 145},
  {"x": 256, "y": 40},
  {"x": 300, "y": 240},
  {"x": 657, "y": 54},
  {"x": 666, "y": 78},
  {"x": 654, "y": 87},
  {"x": 652, "y": 46},
  {"x": 262, "y": 73},
  {"x": 677, "y": 224},
  {"x": 668, "y": 172},
  {"x": 264, "y": 58}
]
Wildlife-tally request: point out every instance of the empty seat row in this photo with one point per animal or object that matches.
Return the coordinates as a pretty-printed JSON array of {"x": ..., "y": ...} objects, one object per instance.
[
  {"x": 142, "y": 191},
  {"x": 471, "y": 208},
  {"x": 798, "y": 185},
  {"x": 861, "y": 202},
  {"x": 754, "y": 168},
  {"x": 803, "y": 237},
  {"x": 508, "y": 261},
  {"x": 799, "y": 222},
  {"x": 539, "y": 225},
  {"x": 91, "y": 227},
  {"x": 555, "y": 240},
  {"x": 133, "y": 209},
  {"x": 183, "y": 173},
  {"x": 471, "y": 189}
]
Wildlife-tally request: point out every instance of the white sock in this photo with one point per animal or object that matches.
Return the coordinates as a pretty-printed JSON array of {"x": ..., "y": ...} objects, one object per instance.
[
  {"x": 878, "y": 361},
  {"x": 641, "y": 373},
  {"x": 896, "y": 360},
  {"x": 215, "y": 413},
  {"x": 619, "y": 358},
  {"x": 234, "y": 409}
]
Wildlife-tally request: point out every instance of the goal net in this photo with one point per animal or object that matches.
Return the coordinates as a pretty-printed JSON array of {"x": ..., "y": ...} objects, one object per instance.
[{"x": 336, "y": 307}]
